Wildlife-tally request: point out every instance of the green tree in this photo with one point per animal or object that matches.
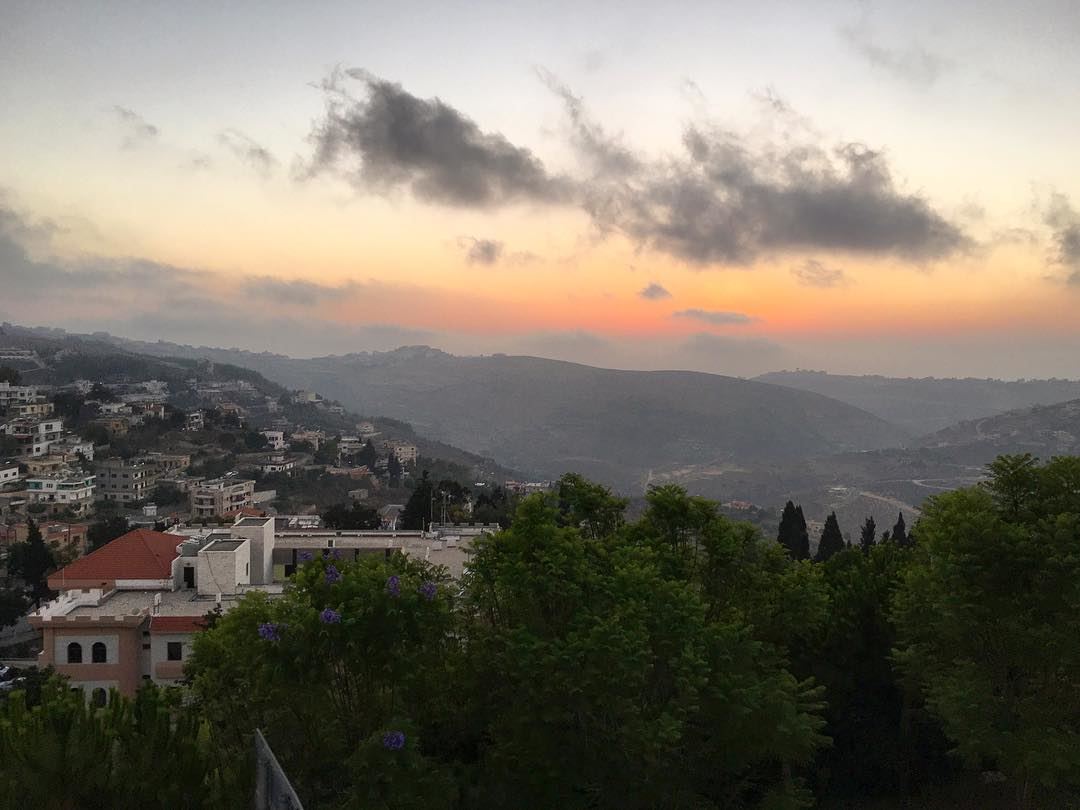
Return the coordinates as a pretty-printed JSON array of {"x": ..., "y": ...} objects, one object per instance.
[
  {"x": 899, "y": 532},
  {"x": 62, "y": 753},
  {"x": 353, "y": 651},
  {"x": 105, "y": 530},
  {"x": 394, "y": 470},
  {"x": 10, "y": 375},
  {"x": 868, "y": 535},
  {"x": 351, "y": 516},
  {"x": 419, "y": 509},
  {"x": 832, "y": 541},
  {"x": 793, "y": 534},
  {"x": 988, "y": 626},
  {"x": 581, "y": 647},
  {"x": 33, "y": 561},
  {"x": 590, "y": 507},
  {"x": 13, "y": 605}
]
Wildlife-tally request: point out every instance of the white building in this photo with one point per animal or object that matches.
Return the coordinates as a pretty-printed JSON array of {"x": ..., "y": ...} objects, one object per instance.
[
  {"x": 33, "y": 436},
  {"x": 66, "y": 490},
  {"x": 275, "y": 438},
  {"x": 16, "y": 394}
]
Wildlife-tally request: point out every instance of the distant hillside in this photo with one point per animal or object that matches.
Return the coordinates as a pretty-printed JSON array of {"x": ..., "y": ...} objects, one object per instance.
[
  {"x": 928, "y": 404},
  {"x": 547, "y": 417},
  {"x": 1044, "y": 430},
  {"x": 62, "y": 357}
]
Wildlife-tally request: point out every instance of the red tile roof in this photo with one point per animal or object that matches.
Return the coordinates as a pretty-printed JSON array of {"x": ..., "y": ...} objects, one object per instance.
[
  {"x": 177, "y": 624},
  {"x": 139, "y": 554}
]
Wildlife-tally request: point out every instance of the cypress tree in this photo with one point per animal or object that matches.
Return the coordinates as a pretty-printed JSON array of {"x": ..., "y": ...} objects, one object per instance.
[
  {"x": 831, "y": 541},
  {"x": 868, "y": 535},
  {"x": 793, "y": 535},
  {"x": 802, "y": 540},
  {"x": 899, "y": 532}
]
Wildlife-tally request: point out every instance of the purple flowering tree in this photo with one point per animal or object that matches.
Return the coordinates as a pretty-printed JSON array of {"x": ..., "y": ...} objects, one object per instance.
[{"x": 330, "y": 671}]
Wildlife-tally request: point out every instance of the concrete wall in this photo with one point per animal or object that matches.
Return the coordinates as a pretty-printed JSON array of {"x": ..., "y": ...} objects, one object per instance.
[
  {"x": 262, "y": 550},
  {"x": 222, "y": 571}
]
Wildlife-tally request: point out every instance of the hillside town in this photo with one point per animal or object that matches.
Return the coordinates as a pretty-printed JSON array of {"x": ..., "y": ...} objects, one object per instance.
[{"x": 130, "y": 510}]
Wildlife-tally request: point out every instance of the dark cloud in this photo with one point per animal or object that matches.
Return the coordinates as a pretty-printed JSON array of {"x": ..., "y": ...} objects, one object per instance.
[
  {"x": 295, "y": 291},
  {"x": 1064, "y": 220},
  {"x": 913, "y": 64},
  {"x": 654, "y": 292},
  {"x": 390, "y": 139},
  {"x": 727, "y": 202},
  {"x": 482, "y": 251},
  {"x": 137, "y": 130},
  {"x": 728, "y": 198},
  {"x": 605, "y": 155},
  {"x": 249, "y": 151},
  {"x": 813, "y": 273},
  {"x": 715, "y": 317}
]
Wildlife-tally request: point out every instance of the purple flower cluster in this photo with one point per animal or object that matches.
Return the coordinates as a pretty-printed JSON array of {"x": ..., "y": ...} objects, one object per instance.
[
  {"x": 268, "y": 631},
  {"x": 331, "y": 553},
  {"x": 393, "y": 586},
  {"x": 332, "y": 574},
  {"x": 330, "y": 616},
  {"x": 305, "y": 556},
  {"x": 428, "y": 590},
  {"x": 393, "y": 740}
]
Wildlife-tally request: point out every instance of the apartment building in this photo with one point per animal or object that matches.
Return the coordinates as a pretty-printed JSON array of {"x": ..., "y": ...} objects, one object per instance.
[
  {"x": 275, "y": 439},
  {"x": 126, "y": 480},
  {"x": 67, "y": 538},
  {"x": 66, "y": 490},
  {"x": 221, "y": 496},
  {"x": 9, "y": 473},
  {"x": 16, "y": 394},
  {"x": 403, "y": 452},
  {"x": 33, "y": 435}
]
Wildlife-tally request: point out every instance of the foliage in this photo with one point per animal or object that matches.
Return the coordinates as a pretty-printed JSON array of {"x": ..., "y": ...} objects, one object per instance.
[
  {"x": 13, "y": 604},
  {"x": 868, "y": 535},
  {"x": 793, "y": 534},
  {"x": 832, "y": 541},
  {"x": 32, "y": 561},
  {"x": 61, "y": 753},
  {"x": 10, "y": 375},
  {"x": 321, "y": 684},
  {"x": 988, "y": 622},
  {"x": 899, "y": 532},
  {"x": 351, "y": 516}
]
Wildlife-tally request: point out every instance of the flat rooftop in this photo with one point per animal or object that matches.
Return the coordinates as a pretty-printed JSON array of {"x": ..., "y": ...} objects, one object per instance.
[
  {"x": 224, "y": 545},
  {"x": 253, "y": 521}
]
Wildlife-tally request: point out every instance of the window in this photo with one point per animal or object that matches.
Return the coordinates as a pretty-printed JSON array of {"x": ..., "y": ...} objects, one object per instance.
[
  {"x": 99, "y": 697},
  {"x": 74, "y": 653},
  {"x": 98, "y": 654},
  {"x": 174, "y": 651}
]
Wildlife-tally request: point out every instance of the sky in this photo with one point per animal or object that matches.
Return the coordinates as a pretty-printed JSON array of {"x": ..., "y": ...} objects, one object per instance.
[{"x": 733, "y": 187}]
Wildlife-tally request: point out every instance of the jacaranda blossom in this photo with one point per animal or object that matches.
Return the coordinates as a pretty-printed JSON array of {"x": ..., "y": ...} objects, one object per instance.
[
  {"x": 330, "y": 616},
  {"x": 332, "y": 574},
  {"x": 428, "y": 590},
  {"x": 393, "y": 740},
  {"x": 268, "y": 631},
  {"x": 305, "y": 556},
  {"x": 393, "y": 585}
]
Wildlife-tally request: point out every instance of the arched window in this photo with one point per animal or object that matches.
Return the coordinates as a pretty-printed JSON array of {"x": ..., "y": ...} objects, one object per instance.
[
  {"x": 99, "y": 697},
  {"x": 97, "y": 653},
  {"x": 74, "y": 653}
]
